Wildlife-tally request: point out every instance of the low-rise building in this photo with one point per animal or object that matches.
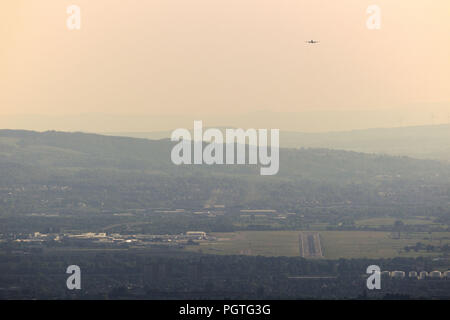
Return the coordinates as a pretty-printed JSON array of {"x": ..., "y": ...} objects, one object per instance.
[{"x": 196, "y": 234}]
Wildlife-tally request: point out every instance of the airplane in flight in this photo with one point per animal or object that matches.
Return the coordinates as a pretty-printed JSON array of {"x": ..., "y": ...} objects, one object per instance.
[{"x": 312, "y": 41}]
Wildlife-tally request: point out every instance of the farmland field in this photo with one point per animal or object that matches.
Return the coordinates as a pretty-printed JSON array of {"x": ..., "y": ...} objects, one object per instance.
[
  {"x": 335, "y": 244},
  {"x": 373, "y": 244},
  {"x": 389, "y": 221},
  {"x": 265, "y": 243}
]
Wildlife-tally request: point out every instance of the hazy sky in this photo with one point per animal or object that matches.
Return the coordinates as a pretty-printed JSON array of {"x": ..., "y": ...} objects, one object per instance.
[{"x": 223, "y": 58}]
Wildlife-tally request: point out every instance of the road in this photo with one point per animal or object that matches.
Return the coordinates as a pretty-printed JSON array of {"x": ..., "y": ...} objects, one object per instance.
[{"x": 309, "y": 244}]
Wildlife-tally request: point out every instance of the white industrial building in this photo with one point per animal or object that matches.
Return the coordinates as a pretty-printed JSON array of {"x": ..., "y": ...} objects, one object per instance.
[{"x": 196, "y": 234}]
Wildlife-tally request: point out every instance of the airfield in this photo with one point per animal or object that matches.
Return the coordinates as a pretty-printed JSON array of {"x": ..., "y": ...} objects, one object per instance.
[{"x": 321, "y": 244}]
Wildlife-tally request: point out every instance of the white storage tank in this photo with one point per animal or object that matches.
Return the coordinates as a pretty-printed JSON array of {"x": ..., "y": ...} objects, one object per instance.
[
  {"x": 435, "y": 274},
  {"x": 413, "y": 274},
  {"x": 423, "y": 275}
]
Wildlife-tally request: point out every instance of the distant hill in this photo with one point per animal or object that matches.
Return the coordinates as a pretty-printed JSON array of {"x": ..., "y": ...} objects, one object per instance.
[
  {"x": 81, "y": 150},
  {"x": 423, "y": 142},
  {"x": 432, "y": 142},
  {"x": 139, "y": 172}
]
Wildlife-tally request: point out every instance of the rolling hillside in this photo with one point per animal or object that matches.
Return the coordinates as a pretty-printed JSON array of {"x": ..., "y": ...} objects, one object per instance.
[
  {"x": 139, "y": 172},
  {"x": 423, "y": 142}
]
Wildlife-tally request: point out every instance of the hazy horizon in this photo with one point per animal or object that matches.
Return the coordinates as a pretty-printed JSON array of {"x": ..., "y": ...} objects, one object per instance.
[{"x": 306, "y": 121}]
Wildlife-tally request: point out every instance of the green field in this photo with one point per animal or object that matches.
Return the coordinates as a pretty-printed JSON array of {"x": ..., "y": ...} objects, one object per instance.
[
  {"x": 388, "y": 221},
  {"x": 335, "y": 244},
  {"x": 265, "y": 243},
  {"x": 373, "y": 244}
]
